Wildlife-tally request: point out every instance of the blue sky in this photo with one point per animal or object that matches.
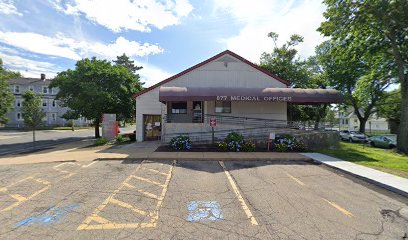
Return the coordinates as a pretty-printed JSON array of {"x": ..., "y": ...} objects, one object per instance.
[{"x": 163, "y": 36}]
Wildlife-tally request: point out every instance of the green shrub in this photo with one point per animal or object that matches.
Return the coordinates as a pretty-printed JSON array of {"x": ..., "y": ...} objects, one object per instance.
[
  {"x": 101, "y": 141},
  {"x": 234, "y": 141},
  {"x": 181, "y": 143},
  {"x": 287, "y": 143},
  {"x": 249, "y": 147},
  {"x": 119, "y": 139},
  {"x": 222, "y": 146}
]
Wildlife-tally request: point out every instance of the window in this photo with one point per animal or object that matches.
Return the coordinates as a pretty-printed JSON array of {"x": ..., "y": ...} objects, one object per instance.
[
  {"x": 179, "y": 107},
  {"x": 31, "y": 88},
  {"x": 355, "y": 120},
  {"x": 16, "y": 89},
  {"x": 346, "y": 121},
  {"x": 45, "y": 89},
  {"x": 18, "y": 116},
  {"x": 54, "y": 116},
  {"x": 223, "y": 107},
  {"x": 44, "y": 103},
  {"x": 18, "y": 103},
  {"x": 54, "y": 103}
]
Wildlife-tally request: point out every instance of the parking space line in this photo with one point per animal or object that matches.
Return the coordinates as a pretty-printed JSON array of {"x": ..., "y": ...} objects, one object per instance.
[
  {"x": 155, "y": 171},
  {"x": 238, "y": 194},
  {"x": 295, "y": 179},
  {"x": 104, "y": 223},
  {"x": 46, "y": 185},
  {"x": 342, "y": 210}
]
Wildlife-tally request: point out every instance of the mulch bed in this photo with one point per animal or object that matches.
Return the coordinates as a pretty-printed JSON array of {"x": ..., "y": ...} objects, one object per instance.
[{"x": 200, "y": 148}]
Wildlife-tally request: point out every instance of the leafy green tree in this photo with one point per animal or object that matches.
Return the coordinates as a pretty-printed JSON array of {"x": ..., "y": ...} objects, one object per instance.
[
  {"x": 71, "y": 116},
  {"x": 95, "y": 87},
  {"x": 376, "y": 27},
  {"x": 390, "y": 107},
  {"x": 7, "y": 97},
  {"x": 32, "y": 112},
  {"x": 284, "y": 62},
  {"x": 361, "y": 78},
  {"x": 125, "y": 61}
]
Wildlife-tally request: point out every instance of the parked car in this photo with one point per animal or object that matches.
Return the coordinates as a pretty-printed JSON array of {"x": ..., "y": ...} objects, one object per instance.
[
  {"x": 382, "y": 141},
  {"x": 353, "y": 136}
]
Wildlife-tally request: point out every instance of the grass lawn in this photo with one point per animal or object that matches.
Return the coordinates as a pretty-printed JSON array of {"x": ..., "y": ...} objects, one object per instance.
[{"x": 385, "y": 160}]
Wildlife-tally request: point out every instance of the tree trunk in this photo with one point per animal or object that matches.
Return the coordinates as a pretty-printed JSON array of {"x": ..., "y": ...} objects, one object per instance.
[
  {"x": 97, "y": 129},
  {"x": 72, "y": 125},
  {"x": 402, "y": 138},
  {"x": 33, "y": 138},
  {"x": 363, "y": 122}
]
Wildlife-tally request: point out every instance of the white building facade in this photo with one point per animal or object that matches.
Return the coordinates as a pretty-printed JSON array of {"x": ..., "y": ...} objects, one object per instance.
[{"x": 225, "y": 85}]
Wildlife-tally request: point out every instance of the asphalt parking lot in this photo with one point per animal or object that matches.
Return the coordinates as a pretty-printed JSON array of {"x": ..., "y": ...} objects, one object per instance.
[{"x": 194, "y": 200}]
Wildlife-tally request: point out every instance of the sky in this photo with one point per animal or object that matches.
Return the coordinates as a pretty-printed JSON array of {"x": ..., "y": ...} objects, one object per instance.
[{"x": 165, "y": 37}]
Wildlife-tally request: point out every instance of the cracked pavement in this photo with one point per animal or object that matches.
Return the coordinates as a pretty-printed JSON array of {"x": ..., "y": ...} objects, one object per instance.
[{"x": 150, "y": 200}]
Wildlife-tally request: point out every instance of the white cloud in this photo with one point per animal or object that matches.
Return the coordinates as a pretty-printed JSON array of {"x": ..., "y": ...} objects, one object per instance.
[
  {"x": 70, "y": 48},
  {"x": 259, "y": 17},
  {"x": 7, "y": 7},
  {"x": 118, "y": 15},
  {"x": 27, "y": 67},
  {"x": 151, "y": 74}
]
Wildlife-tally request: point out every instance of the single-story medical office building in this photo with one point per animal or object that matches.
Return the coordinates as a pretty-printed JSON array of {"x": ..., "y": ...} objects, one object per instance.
[{"x": 223, "y": 85}]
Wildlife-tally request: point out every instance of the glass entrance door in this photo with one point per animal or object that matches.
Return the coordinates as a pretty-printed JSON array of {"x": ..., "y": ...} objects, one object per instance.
[{"x": 152, "y": 127}]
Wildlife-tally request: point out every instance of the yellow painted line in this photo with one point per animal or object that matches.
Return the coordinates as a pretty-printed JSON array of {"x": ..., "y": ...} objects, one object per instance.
[
  {"x": 149, "y": 181},
  {"x": 295, "y": 179},
  {"x": 39, "y": 180},
  {"x": 155, "y": 171},
  {"x": 239, "y": 196},
  {"x": 106, "y": 224},
  {"x": 128, "y": 206},
  {"x": 149, "y": 194},
  {"x": 155, "y": 216},
  {"x": 342, "y": 210},
  {"x": 18, "y": 197}
]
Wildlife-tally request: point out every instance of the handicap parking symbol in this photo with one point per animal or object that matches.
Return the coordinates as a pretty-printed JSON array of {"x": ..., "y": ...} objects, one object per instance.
[{"x": 204, "y": 211}]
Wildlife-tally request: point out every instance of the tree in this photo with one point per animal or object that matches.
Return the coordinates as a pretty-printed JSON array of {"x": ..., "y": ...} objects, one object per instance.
[
  {"x": 284, "y": 62},
  {"x": 32, "y": 112},
  {"x": 361, "y": 78},
  {"x": 390, "y": 108},
  {"x": 376, "y": 27},
  {"x": 7, "y": 97},
  {"x": 95, "y": 87},
  {"x": 71, "y": 116},
  {"x": 132, "y": 68}
]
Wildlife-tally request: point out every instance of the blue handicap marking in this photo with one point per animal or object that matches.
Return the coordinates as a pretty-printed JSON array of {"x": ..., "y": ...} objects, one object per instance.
[
  {"x": 49, "y": 216},
  {"x": 204, "y": 211}
]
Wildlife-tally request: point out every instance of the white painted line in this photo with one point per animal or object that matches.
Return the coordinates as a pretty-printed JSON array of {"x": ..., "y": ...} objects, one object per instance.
[
  {"x": 85, "y": 166},
  {"x": 239, "y": 196}
]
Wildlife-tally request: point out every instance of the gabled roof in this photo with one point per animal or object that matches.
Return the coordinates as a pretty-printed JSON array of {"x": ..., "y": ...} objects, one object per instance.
[{"x": 210, "y": 60}]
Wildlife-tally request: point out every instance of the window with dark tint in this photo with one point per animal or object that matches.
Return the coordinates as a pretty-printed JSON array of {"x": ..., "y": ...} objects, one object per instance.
[
  {"x": 179, "y": 107},
  {"x": 223, "y": 107}
]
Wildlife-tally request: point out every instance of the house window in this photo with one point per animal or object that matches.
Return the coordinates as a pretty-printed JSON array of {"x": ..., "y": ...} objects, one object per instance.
[
  {"x": 18, "y": 116},
  {"x": 179, "y": 107},
  {"x": 18, "y": 103},
  {"x": 45, "y": 89},
  {"x": 16, "y": 89},
  {"x": 346, "y": 121},
  {"x": 223, "y": 107},
  {"x": 54, "y": 116},
  {"x": 31, "y": 88},
  {"x": 54, "y": 103},
  {"x": 355, "y": 120},
  {"x": 44, "y": 103}
]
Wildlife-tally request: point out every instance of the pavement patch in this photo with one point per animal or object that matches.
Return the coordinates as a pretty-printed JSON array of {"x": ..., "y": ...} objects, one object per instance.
[
  {"x": 204, "y": 211},
  {"x": 48, "y": 217}
]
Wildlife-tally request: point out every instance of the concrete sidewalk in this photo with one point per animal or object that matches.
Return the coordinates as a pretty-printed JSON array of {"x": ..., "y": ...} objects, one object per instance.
[{"x": 386, "y": 180}]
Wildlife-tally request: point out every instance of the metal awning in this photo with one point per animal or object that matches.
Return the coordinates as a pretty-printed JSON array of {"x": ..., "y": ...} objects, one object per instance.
[{"x": 291, "y": 95}]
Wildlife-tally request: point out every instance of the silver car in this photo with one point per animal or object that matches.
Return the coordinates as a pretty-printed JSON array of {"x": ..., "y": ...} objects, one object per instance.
[{"x": 353, "y": 136}]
